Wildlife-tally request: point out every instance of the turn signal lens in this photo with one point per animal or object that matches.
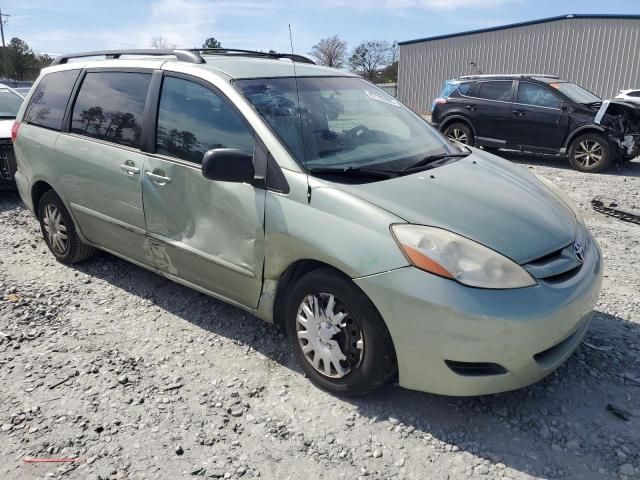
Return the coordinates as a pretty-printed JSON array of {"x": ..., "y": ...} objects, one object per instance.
[{"x": 453, "y": 256}]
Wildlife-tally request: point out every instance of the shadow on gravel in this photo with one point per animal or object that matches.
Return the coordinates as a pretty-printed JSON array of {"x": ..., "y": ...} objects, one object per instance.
[
  {"x": 629, "y": 169},
  {"x": 9, "y": 199},
  {"x": 533, "y": 430}
]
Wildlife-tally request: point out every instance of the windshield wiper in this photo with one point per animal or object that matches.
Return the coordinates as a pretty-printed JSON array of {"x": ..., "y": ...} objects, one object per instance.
[
  {"x": 433, "y": 161},
  {"x": 355, "y": 172}
]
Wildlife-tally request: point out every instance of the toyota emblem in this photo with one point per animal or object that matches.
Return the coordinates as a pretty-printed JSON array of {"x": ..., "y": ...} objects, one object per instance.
[{"x": 578, "y": 249}]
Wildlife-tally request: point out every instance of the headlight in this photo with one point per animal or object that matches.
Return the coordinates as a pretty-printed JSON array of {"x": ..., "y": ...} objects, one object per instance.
[
  {"x": 563, "y": 197},
  {"x": 452, "y": 256}
]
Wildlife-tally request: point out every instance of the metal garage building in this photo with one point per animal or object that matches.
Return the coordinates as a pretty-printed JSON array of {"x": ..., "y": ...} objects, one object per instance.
[{"x": 599, "y": 52}]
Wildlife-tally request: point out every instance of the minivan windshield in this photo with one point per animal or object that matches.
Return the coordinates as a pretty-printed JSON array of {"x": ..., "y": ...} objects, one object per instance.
[
  {"x": 9, "y": 104},
  {"x": 344, "y": 123},
  {"x": 575, "y": 92}
]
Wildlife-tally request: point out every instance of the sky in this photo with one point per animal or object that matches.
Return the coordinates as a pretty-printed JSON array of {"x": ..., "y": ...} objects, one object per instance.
[{"x": 65, "y": 26}]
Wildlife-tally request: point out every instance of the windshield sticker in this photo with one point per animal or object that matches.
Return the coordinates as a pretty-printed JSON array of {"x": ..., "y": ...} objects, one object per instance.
[{"x": 382, "y": 97}]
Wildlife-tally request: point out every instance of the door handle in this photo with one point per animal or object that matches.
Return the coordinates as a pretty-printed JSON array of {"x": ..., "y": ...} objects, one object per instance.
[
  {"x": 518, "y": 113},
  {"x": 473, "y": 108},
  {"x": 160, "y": 179},
  {"x": 129, "y": 168}
]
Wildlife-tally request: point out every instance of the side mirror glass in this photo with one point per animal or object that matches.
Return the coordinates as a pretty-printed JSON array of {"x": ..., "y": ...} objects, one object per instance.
[
  {"x": 228, "y": 165},
  {"x": 564, "y": 106}
]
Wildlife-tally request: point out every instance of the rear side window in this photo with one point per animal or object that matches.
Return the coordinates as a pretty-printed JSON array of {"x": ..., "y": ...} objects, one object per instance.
[
  {"x": 110, "y": 106},
  {"x": 466, "y": 88},
  {"x": 531, "y": 94},
  {"x": 495, "y": 90},
  {"x": 634, "y": 94},
  {"x": 49, "y": 100},
  {"x": 193, "y": 119}
]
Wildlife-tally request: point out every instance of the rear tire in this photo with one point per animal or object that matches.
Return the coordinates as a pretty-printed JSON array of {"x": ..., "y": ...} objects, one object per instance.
[
  {"x": 460, "y": 132},
  {"x": 329, "y": 319},
  {"x": 59, "y": 231},
  {"x": 590, "y": 153}
]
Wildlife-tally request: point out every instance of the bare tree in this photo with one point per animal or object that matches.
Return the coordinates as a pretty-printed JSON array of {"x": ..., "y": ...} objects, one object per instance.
[
  {"x": 371, "y": 57},
  {"x": 330, "y": 51},
  {"x": 161, "y": 43}
]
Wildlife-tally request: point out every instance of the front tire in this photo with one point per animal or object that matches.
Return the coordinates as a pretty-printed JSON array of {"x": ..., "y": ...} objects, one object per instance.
[
  {"x": 59, "y": 231},
  {"x": 337, "y": 335},
  {"x": 459, "y": 132},
  {"x": 590, "y": 153}
]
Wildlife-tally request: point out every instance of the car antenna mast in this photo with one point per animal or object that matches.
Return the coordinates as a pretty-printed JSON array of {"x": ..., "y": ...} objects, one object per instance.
[{"x": 295, "y": 78}]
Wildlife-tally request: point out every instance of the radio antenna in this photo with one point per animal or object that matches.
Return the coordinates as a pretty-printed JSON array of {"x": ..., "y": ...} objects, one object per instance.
[
  {"x": 291, "y": 39},
  {"x": 295, "y": 79}
]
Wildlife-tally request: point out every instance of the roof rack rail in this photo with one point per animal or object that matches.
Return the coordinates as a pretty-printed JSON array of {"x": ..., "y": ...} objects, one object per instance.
[
  {"x": 191, "y": 55},
  {"x": 182, "y": 55},
  {"x": 512, "y": 75},
  {"x": 253, "y": 53}
]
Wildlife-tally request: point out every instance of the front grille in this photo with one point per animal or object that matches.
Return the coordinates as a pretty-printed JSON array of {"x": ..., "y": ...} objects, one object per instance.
[
  {"x": 563, "y": 264},
  {"x": 475, "y": 369}
]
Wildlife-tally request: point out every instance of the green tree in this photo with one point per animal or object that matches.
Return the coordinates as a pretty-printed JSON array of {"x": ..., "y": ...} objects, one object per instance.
[
  {"x": 211, "y": 42},
  {"x": 22, "y": 61}
]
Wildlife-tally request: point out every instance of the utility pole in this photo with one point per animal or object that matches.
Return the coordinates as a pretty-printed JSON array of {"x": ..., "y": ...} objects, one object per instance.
[{"x": 4, "y": 47}]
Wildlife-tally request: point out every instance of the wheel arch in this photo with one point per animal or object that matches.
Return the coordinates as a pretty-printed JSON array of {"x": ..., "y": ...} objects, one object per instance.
[
  {"x": 581, "y": 131},
  {"x": 457, "y": 119},
  {"x": 38, "y": 189},
  {"x": 289, "y": 276},
  {"x": 302, "y": 267}
]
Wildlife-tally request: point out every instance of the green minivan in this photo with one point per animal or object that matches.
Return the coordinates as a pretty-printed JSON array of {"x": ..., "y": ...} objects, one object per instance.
[{"x": 314, "y": 200}]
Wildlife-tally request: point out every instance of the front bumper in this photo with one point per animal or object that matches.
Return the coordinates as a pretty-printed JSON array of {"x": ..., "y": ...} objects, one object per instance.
[{"x": 529, "y": 331}]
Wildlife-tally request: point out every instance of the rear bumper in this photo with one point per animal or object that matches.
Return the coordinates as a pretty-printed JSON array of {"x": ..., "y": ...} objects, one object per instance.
[
  {"x": 24, "y": 189},
  {"x": 528, "y": 332}
]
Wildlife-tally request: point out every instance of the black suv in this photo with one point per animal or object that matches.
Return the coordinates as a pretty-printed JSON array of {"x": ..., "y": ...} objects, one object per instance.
[{"x": 539, "y": 113}]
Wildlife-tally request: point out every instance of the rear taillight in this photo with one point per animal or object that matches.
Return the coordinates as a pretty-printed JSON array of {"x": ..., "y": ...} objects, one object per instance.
[{"x": 14, "y": 130}]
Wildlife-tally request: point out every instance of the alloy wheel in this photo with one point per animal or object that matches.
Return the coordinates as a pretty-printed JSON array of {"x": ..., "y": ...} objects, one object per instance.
[
  {"x": 330, "y": 337},
  {"x": 55, "y": 229},
  {"x": 457, "y": 135},
  {"x": 588, "y": 153}
]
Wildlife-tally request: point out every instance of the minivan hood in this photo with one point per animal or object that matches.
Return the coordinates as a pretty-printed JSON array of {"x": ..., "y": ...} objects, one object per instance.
[{"x": 498, "y": 204}]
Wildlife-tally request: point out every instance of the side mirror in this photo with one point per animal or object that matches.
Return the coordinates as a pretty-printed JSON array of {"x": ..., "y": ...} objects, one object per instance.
[
  {"x": 564, "y": 106},
  {"x": 228, "y": 165}
]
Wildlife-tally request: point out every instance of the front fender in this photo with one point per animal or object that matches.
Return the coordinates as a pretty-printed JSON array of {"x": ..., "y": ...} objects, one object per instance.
[{"x": 582, "y": 129}]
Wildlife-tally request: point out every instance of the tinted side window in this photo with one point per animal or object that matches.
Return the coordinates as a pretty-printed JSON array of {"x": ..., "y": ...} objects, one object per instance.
[
  {"x": 634, "y": 94},
  {"x": 495, "y": 90},
  {"x": 110, "y": 106},
  {"x": 49, "y": 100},
  {"x": 193, "y": 119},
  {"x": 531, "y": 94},
  {"x": 466, "y": 88}
]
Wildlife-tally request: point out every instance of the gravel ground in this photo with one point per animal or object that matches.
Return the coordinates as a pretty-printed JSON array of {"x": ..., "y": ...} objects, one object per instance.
[{"x": 138, "y": 377}]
